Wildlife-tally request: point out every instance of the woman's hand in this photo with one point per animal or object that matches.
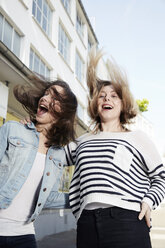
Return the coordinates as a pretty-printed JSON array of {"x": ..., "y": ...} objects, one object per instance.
[
  {"x": 145, "y": 212},
  {"x": 25, "y": 121}
]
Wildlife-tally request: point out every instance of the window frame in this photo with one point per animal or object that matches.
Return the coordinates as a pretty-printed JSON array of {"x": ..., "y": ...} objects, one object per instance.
[
  {"x": 79, "y": 68},
  {"x": 41, "y": 17},
  {"x": 63, "y": 42},
  {"x": 14, "y": 47},
  {"x": 33, "y": 57},
  {"x": 80, "y": 111},
  {"x": 65, "y": 4},
  {"x": 79, "y": 25}
]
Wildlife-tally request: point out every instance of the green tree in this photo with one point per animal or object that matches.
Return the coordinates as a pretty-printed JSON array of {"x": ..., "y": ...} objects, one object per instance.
[{"x": 143, "y": 104}]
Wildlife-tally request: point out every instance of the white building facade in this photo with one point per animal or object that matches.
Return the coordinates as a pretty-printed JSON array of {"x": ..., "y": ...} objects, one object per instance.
[{"x": 50, "y": 37}]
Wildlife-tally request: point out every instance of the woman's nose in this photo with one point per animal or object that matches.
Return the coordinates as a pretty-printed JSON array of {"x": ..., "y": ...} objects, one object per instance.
[
  {"x": 47, "y": 98},
  {"x": 107, "y": 98}
]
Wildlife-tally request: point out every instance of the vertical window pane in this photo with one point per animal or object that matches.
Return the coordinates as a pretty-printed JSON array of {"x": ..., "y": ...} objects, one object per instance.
[
  {"x": 1, "y": 26},
  {"x": 16, "y": 44},
  {"x": 45, "y": 10},
  {"x": 44, "y": 24},
  {"x": 42, "y": 68},
  {"x": 8, "y": 34},
  {"x": 67, "y": 5},
  {"x": 47, "y": 73},
  {"x": 36, "y": 64},
  {"x": 31, "y": 59},
  {"x": 79, "y": 68},
  {"x": 89, "y": 45},
  {"x": 38, "y": 15},
  {"x": 79, "y": 25},
  {"x": 39, "y": 2},
  {"x": 34, "y": 8},
  {"x": 64, "y": 44},
  {"x": 80, "y": 112},
  {"x": 49, "y": 15}
]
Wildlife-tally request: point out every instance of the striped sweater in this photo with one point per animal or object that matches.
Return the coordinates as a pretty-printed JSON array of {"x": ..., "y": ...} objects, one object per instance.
[{"x": 119, "y": 169}]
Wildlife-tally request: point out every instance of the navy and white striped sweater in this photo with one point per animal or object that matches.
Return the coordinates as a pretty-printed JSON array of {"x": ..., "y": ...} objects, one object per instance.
[{"x": 119, "y": 169}]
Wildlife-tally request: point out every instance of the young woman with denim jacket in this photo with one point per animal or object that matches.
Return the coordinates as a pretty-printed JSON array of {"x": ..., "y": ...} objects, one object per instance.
[{"x": 32, "y": 159}]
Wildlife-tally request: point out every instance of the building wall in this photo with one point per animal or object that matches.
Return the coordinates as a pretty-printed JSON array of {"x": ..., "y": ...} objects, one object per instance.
[{"x": 19, "y": 14}]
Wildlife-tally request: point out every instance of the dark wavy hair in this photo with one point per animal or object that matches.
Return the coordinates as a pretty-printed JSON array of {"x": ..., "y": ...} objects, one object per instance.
[{"x": 63, "y": 130}]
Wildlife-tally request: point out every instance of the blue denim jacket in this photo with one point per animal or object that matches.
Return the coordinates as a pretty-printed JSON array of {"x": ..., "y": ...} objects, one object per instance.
[{"x": 18, "y": 149}]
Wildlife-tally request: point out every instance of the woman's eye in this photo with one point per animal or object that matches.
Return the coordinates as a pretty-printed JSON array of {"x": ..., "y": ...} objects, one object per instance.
[
  {"x": 46, "y": 93},
  {"x": 101, "y": 96},
  {"x": 54, "y": 97}
]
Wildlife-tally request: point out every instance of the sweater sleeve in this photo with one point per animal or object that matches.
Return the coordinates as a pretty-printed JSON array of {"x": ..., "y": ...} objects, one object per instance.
[
  {"x": 70, "y": 151},
  {"x": 155, "y": 171}
]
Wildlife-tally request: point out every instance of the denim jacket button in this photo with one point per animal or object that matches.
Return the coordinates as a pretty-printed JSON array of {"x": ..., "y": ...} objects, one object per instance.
[
  {"x": 33, "y": 220},
  {"x": 60, "y": 164},
  {"x": 48, "y": 173},
  {"x": 50, "y": 157},
  {"x": 44, "y": 189},
  {"x": 18, "y": 142},
  {"x": 39, "y": 204}
]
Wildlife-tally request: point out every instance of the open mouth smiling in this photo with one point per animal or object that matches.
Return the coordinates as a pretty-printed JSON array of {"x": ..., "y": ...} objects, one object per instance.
[
  {"x": 107, "y": 107},
  {"x": 42, "y": 109}
]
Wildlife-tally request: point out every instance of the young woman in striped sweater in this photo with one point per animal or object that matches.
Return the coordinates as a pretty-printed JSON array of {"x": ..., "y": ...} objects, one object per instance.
[{"x": 119, "y": 175}]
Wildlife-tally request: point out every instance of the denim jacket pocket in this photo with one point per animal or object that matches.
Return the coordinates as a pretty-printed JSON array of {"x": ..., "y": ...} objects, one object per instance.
[
  {"x": 17, "y": 142},
  {"x": 15, "y": 152},
  {"x": 58, "y": 163}
]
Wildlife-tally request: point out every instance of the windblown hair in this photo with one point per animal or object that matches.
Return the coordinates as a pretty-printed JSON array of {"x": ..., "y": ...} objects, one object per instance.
[
  {"x": 118, "y": 80},
  {"x": 63, "y": 130}
]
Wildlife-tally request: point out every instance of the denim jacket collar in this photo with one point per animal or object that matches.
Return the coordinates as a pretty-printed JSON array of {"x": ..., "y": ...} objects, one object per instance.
[{"x": 31, "y": 125}]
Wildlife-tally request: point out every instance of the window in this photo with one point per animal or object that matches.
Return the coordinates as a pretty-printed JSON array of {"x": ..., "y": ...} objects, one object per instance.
[
  {"x": 89, "y": 44},
  {"x": 42, "y": 13},
  {"x": 80, "y": 111},
  {"x": 9, "y": 36},
  {"x": 64, "y": 44},
  {"x": 66, "y": 4},
  {"x": 37, "y": 65},
  {"x": 79, "y": 68},
  {"x": 79, "y": 26}
]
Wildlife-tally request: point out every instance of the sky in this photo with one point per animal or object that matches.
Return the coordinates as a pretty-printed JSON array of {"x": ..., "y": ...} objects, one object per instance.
[{"x": 133, "y": 33}]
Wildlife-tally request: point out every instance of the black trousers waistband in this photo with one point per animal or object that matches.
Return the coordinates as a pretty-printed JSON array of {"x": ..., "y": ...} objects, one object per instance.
[{"x": 111, "y": 211}]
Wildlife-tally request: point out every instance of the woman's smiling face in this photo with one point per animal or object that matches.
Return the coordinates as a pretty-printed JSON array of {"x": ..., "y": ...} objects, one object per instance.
[
  {"x": 109, "y": 104},
  {"x": 45, "y": 114}
]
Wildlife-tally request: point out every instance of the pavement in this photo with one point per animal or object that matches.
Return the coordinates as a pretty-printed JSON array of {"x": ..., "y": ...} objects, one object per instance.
[{"x": 59, "y": 240}]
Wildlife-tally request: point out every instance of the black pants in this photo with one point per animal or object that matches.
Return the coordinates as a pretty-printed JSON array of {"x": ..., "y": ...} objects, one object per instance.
[
  {"x": 22, "y": 241},
  {"x": 112, "y": 228}
]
